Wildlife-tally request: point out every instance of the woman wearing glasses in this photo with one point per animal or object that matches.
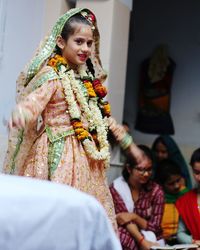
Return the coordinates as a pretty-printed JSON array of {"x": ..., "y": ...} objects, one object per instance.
[{"x": 138, "y": 204}]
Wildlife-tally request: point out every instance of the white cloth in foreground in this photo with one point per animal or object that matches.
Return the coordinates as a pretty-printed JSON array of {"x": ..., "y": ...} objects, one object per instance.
[{"x": 41, "y": 215}]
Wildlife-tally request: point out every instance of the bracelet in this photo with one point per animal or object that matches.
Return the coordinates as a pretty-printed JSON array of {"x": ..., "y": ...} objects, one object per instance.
[
  {"x": 126, "y": 141},
  {"x": 141, "y": 240}
]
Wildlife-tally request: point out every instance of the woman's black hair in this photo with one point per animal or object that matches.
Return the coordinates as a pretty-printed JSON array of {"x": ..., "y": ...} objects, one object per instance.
[
  {"x": 195, "y": 157},
  {"x": 131, "y": 162},
  {"x": 165, "y": 169},
  {"x": 159, "y": 139}
]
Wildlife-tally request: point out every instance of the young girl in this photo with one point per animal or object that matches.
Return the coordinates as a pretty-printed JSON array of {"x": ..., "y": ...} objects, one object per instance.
[
  {"x": 168, "y": 175},
  {"x": 58, "y": 130},
  {"x": 165, "y": 147}
]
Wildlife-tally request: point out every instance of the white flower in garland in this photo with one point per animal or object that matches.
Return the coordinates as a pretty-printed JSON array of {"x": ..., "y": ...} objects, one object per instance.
[
  {"x": 73, "y": 108},
  {"x": 93, "y": 114}
]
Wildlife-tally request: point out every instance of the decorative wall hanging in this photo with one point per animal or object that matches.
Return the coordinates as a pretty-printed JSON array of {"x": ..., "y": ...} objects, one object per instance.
[{"x": 154, "y": 93}]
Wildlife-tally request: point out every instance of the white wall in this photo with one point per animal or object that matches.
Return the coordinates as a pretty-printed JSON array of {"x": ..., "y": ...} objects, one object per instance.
[
  {"x": 128, "y": 3},
  {"x": 177, "y": 24},
  {"x": 24, "y": 24}
]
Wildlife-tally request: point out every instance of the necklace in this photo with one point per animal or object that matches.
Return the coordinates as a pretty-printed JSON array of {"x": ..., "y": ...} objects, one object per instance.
[{"x": 91, "y": 105}]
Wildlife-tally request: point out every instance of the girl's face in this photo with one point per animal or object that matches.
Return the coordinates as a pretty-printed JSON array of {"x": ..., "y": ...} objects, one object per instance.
[
  {"x": 77, "y": 49},
  {"x": 140, "y": 175},
  {"x": 173, "y": 184},
  {"x": 161, "y": 151},
  {"x": 196, "y": 172}
]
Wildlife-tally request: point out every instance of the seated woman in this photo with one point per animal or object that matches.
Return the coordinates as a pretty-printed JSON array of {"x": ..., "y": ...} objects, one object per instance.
[
  {"x": 168, "y": 175},
  {"x": 189, "y": 207},
  {"x": 164, "y": 147},
  {"x": 138, "y": 204}
]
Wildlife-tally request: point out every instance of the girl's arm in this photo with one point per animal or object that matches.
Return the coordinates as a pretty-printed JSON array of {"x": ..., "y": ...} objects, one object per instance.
[
  {"x": 32, "y": 106},
  {"x": 183, "y": 235},
  {"x": 126, "y": 142}
]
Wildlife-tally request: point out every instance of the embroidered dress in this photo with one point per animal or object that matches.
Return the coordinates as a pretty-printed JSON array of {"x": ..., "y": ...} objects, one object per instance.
[{"x": 58, "y": 142}]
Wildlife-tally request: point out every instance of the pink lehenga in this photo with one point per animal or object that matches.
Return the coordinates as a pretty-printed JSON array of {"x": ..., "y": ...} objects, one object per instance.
[{"x": 49, "y": 149}]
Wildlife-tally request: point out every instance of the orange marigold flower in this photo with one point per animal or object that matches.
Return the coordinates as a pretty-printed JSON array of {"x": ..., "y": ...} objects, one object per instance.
[
  {"x": 89, "y": 88},
  {"x": 77, "y": 124},
  {"x": 107, "y": 108},
  {"x": 83, "y": 135},
  {"x": 79, "y": 130},
  {"x": 91, "y": 93},
  {"x": 101, "y": 91},
  {"x": 87, "y": 83},
  {"x": 60, "y": 59},
  {"x": 57, "y": 60},
  {"x": 52, "y": 62}
]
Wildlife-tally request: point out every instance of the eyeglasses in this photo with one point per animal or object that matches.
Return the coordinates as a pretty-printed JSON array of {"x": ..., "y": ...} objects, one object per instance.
[
  {"x": 196, "y": 172},
  {"x": 144, "y": 170}
]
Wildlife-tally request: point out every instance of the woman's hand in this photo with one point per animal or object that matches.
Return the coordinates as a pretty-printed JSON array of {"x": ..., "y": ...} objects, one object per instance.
[
  {"x": 17, "y": 118},
  {"x": 124, "y": 218}
]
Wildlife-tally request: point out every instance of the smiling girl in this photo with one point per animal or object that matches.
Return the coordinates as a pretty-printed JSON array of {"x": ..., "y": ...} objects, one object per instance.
[{"x": 58, "y": 130}]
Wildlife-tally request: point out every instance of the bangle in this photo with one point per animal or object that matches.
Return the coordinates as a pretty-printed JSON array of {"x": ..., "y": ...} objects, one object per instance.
[
  {"x": 141, "y": 240},
  {"x": 126, "y": 141}
]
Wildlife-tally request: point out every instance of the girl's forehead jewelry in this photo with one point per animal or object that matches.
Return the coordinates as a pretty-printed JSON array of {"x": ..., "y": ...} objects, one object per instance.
[{"x": 90, "y": 17}]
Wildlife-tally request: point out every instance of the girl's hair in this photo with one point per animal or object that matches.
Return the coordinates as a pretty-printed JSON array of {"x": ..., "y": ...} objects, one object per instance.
[
  {"x": 131, "y": 162},
  {"x": 90, "y": 66},
  {"x": 195, "y": 157},
  {"x": 165, "y": 169}
]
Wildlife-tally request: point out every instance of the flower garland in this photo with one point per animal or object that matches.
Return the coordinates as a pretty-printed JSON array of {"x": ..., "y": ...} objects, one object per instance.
[
  {"x": 95, "y": 119},
  {"x": 92, "y": 105},
  {"x": 56, "y": 62}
]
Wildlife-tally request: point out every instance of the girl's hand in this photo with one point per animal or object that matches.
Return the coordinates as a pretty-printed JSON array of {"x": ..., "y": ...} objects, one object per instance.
[
  {"x": 117, "y": 130},
  {"x": 196, "y": 242},
  {"x": 146, "y": 245},
  {"x": 123, "y": 218},
  {"x": 17, "y": 118},
  {"x": 141, "y": 159}
]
